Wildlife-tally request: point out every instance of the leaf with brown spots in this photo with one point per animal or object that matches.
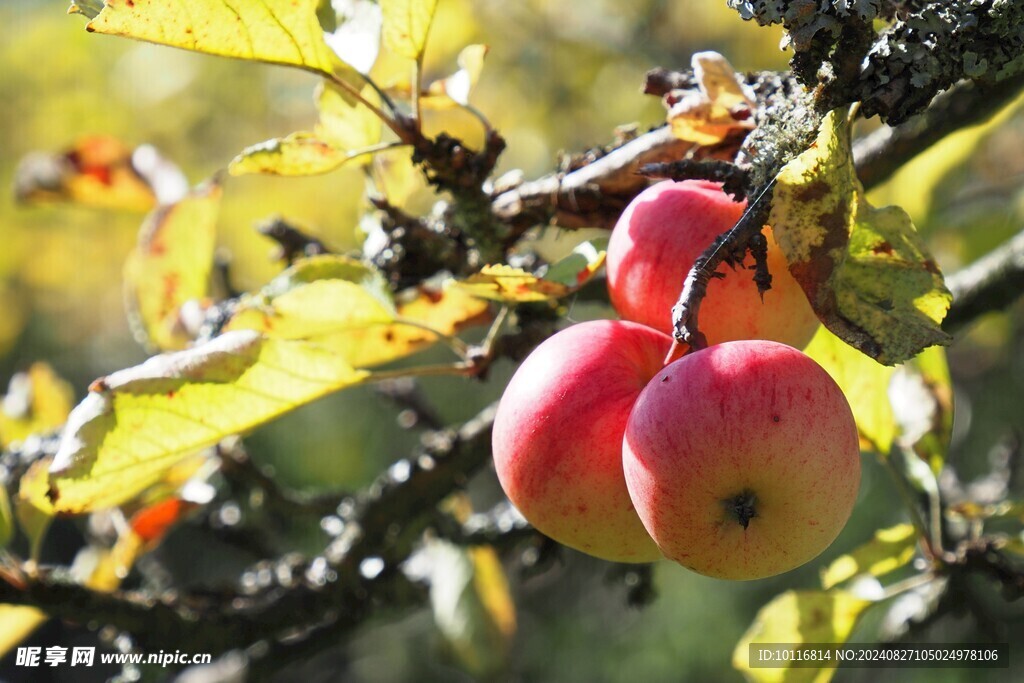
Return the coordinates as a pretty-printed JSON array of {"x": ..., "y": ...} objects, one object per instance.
[
  {"x": 170, "y": 267},
  {"x": 866, "y": 271},
  {"x": 406, "y": 25},
  {"x": 514, "y": 285},
  {"x": 283, "y": 32},
  {"x": 101, "y": 172},
  {"x": 137, "y": 423},
  {"x": 345, "y": 306}
]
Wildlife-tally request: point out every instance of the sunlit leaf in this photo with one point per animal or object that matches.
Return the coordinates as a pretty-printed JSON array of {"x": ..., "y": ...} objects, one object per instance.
[
  {"x": 275, "y": 31},
  {"x": 343, "y": 305},
  {"x": 37, "y": 401},
  {"x": 456, "y": 89},
  {"x": 866, "y": 271},
  {"x": 406, "y": 25},
  {"x": 721, "y": 107},
  {"x": 346, "y": 123},
  {"x": 101, "y": 172},
  {"x": 472, "y": 605},
  {"x": 137, "y": 422},
  {"x": 797, "y": 617},
  {"x": 32, "y": 506},
  {"x": 17, "y": 622},
  {"x": 505, "y": 283},
  {"x": 889, "y": 550},
  {"x": 347, "y": 130},
  {"x": 296, "y": 155},
  {"x": 865, "y": 384},
  {"x": 171, "y": 266}
]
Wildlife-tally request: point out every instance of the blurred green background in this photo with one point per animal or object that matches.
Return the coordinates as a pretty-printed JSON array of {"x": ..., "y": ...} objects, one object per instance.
[{"x": 559, "y": 77}]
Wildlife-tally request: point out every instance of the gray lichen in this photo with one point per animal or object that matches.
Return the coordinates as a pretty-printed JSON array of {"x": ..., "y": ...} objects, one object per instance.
[
  {"x": 926, "y": 47},
  {"x": 937, "y": 44}
]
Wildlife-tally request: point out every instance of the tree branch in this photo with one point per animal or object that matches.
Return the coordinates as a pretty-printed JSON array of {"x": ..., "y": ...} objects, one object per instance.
[
  {"x": 992, "y": 282},
  {"x": 884, "y": 151}
]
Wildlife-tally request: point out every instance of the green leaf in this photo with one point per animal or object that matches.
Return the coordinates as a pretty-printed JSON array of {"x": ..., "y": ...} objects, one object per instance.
[
  {"x": 406, "y": 25},
  {"x": 514, "y": 285},
  {"x": 866, "y": 271},
  {"x": 274, "y": 31},
  {"x": 345, "y": 306},
  {"x": 796, "y": 617},
  {"x": 138, "y": 422},
  {"x": 889, "y": 550},
  {"x": 472, "y": 606},
  {"x": 171, "y": 267}
]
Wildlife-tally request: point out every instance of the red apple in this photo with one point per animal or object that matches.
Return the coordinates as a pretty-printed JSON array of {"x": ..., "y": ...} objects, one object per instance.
[
  {"x": 654, "y": 244},
  {"x": 557, "y": 437},
  {"x": 742, "y": 459}
]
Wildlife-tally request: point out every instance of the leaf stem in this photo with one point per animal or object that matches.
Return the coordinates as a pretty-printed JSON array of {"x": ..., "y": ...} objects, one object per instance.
[
  {"x": 460, "y": 368},
  {"x": 389, "y": 121},
  {"x": 460, "y": 347}
]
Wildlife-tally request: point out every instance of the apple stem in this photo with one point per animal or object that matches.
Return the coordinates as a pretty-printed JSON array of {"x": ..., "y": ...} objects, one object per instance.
[{"x": 742, "y": 507}]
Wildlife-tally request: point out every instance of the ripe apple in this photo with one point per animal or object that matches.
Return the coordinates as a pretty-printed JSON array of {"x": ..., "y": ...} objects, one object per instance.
[
  {"x": 557, "y": 438},
  {"x": 742, "y": 459},
  {"x": 654, "y": 244}
]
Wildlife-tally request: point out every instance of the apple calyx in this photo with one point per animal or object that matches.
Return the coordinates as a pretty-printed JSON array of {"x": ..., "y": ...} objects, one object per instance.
[{"x": 742, "y": 507}]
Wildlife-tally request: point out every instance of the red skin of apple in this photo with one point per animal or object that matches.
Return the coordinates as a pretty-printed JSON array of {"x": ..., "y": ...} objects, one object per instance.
[
  {"x": 653, "y": 246},
  {"x": 745, "y": 423},
  {"x": 557, "y": 438}
]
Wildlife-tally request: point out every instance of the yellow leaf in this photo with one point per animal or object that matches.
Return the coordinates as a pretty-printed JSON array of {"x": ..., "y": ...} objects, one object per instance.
[
  {"x": 889, "y": 550},
  {"x": 274, "y": 31},
  {"x": 406, "y": 25},
  {"x": 508, "y": 284},
  {"x": 866, "y": 271},
  {"x": 296, "y": 155},
  {"x": 138, "y": 422},
  {"x": 97, "y": 172},
  {"x": 796, "y": 617},
  {"x": 32, "y": 505},
  {"x": 171, "y": 266},
  {"x": 37, "y": 401},
  {"x": 721, "y": 107},
  {"x": 17, "y": 623},
  {"x": 472, "y": 606},
  {"x": 343, "y": 305},
  {"x": 865, "y": 384},
  {"x": 345, "y": 122}
]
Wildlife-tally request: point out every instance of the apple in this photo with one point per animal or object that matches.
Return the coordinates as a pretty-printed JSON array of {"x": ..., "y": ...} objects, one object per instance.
[
  {"x": 653, "y": 246},
  {"x": 742, "y": 459},
  {"x": 557, "y": 438}
]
